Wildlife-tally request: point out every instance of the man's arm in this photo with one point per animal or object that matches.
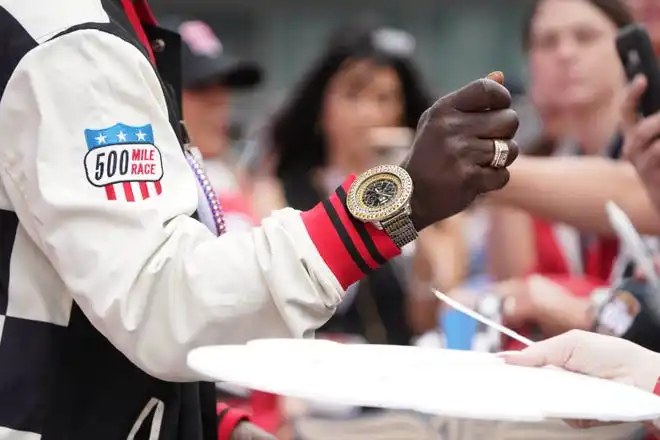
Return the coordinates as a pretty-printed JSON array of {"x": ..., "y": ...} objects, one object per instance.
[
  {"x": 574, "y": 190},
  {"x": 154, "y": 281}
]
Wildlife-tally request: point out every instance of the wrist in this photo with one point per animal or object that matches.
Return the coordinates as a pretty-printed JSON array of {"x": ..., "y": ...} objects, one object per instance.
[
  {"x": 417, "y": 213},
  {"x": 350, "y": 248}
]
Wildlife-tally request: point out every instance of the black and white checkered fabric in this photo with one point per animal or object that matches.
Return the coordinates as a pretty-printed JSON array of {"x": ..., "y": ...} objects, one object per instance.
[{"x": 60, "y": 379}]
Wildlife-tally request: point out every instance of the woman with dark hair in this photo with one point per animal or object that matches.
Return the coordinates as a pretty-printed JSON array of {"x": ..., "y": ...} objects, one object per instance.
[
  {"x": 365, "y": 79},
  {"x": 356, "y": 107}
]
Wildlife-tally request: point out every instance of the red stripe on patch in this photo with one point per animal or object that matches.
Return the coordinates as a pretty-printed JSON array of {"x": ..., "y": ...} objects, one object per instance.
[
  {"x": 128, "y": 191},
  {"x": 144, "y": 190},
  {"x": 110, "y": 192}
]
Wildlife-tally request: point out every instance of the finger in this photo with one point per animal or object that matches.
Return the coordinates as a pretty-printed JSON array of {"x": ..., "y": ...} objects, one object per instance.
[
  {"x": 482, "y": 151},
  {"x": 646, "y": 162},
  {"x": 490, "y": 179},
  {"x": 495, "y": 124},
  {"x": 641, "y": 137},
  {"x": 509, "y": 306},
  {"x": 577, "y": 424},
  {"x": 514, "y": 151},
  {"x": 588, "y": 424},
  {"x": 478, "y": 96},
  {"x": 630, "y": 105},
  {"x": 554, "y": 351}
]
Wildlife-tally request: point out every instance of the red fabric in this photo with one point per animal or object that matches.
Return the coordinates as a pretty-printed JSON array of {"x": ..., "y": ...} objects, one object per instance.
[
  {"x": 653, "y": 432},
  {"x": 551, "y": 259},
  {"x": 333, "y": 250},
  {"x": 237, "y": 204},
  {"x": 229, "y": 419},
  {"x": 266, "y": 411},
  {"x": 552, "y": 263},
  {"x": 144, "y": 12},
  {"x": 137, "y": 17}
]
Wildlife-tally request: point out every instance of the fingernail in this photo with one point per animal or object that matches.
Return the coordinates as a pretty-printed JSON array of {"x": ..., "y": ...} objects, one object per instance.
[{"x": 497, "y": 76}]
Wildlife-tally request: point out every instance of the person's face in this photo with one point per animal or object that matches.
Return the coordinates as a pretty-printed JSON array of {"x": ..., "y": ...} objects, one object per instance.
[
  {"x": 206, "y": 113},
  {"x": 648, "y": 13},
  {"x": 360, "y": 97},
  {"x": 573, "y": 57}
]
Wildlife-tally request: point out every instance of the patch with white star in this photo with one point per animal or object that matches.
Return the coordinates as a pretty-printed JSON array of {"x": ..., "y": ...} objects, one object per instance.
[{"x": 124, "y": 161}]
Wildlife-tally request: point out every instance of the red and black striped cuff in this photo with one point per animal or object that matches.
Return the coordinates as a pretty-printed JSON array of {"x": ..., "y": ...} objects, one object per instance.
[
  {"x": 350, "y": 248},
  {"x": 228, "y": 420}
]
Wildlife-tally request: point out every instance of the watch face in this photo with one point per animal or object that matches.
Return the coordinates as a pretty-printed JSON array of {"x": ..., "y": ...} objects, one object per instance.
[{"x": 379, "y": 193}]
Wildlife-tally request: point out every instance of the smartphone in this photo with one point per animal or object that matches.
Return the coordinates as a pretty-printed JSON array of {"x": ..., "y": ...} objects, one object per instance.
[{"x": 637, "y": 55}]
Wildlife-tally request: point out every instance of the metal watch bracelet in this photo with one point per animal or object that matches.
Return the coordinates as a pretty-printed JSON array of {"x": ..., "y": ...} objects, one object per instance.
[{"x": 400, "y": 228}]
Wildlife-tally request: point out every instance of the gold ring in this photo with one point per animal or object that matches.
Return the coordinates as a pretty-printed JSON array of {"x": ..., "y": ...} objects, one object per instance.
[{"x": 500, "y": 154}]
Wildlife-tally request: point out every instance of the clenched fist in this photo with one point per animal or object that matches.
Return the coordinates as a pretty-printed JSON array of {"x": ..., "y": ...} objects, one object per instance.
[{"x": 450, "y": 162}]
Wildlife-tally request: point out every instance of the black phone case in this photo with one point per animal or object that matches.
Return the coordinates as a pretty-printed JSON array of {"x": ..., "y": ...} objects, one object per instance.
[{"x": 637, "y": 55}]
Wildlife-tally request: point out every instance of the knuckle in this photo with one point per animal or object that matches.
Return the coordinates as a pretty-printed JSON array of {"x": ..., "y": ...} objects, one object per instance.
[
  {"x": 513, "y": 122},
  {"x": 438, "y": 108},
  {"x": 484, "y": 84},
  {"x": 424, "y": 118},
  {"x": 447, "y": 123}
]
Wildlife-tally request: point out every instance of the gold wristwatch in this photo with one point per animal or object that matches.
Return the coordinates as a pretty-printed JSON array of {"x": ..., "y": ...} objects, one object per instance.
[{"x": 381, "y": 196}]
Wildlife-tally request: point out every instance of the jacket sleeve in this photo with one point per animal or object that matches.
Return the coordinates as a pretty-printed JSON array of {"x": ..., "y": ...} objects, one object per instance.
[{"x": 114, "y": 217}]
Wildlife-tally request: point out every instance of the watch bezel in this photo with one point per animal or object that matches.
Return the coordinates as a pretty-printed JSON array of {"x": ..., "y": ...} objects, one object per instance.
[{"x": 364, "y": 213}]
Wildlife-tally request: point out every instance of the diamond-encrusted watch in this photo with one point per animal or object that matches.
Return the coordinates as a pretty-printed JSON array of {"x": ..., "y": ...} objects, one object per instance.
[{"x": 381, "y": 196}]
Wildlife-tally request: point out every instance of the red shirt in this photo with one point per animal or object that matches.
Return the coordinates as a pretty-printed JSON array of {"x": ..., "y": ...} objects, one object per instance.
[{"x": 562, "y": 258}]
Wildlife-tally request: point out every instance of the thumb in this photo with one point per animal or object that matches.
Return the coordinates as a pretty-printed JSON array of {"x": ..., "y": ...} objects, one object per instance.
[
  {"x": 496, "y": 76},
  {"x": 480, "y": 95}
]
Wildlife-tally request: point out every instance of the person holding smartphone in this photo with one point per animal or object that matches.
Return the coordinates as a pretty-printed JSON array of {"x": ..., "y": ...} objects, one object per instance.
[{"x": 574, "y": 190}]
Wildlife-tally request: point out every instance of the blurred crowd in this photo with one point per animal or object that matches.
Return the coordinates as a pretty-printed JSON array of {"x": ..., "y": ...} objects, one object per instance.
[{"x": 357, "y": 106}]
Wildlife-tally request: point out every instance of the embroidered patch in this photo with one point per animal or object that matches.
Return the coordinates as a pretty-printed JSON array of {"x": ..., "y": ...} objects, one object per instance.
[{"x": 124, "y": 161}]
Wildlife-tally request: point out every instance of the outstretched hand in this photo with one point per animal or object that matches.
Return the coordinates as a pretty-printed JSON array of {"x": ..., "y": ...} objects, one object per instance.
[{"x": 595, "y": 355}]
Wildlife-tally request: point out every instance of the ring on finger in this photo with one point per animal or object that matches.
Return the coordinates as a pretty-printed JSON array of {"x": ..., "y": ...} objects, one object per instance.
[{"x": 500, "y": 153}]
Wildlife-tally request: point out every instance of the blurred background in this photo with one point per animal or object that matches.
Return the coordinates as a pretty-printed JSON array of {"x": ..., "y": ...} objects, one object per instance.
[{"x": 455, "y": 39}]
